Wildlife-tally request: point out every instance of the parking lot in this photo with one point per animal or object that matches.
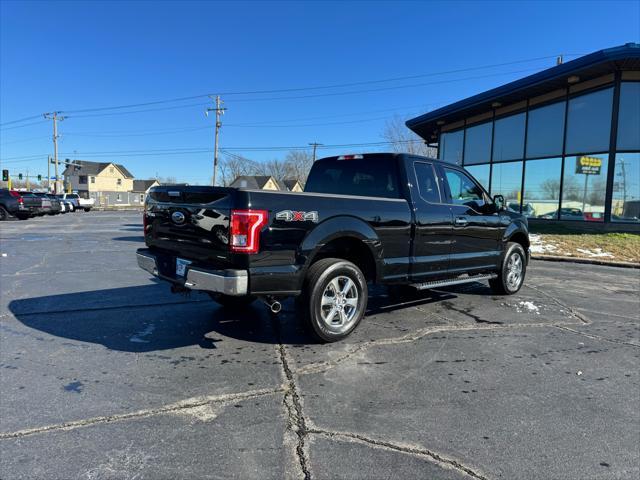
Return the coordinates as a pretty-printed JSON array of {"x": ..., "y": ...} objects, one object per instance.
[{"x": 106, "y": 374}]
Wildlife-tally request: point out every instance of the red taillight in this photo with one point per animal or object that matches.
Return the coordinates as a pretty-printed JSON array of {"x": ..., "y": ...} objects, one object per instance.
[
  {"x": 245, "y": 230},
  {"x": 16, "y": 195}
]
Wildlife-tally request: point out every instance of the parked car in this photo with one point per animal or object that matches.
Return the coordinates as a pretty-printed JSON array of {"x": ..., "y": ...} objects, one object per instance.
[
  {"x": 527, "y": 209},
  {"x": 79, "y": 203},
  {"x": 565, "y": 214},
  {"x": 594, "y": 216},
  {"x": 54, "y": 202},
  {"x": 32, "y": 205},
  {"x": 12, "y": 205},
  {"x": 393, "y": 219}
]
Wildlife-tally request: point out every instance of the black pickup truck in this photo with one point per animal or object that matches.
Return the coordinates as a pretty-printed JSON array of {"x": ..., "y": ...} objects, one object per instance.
[{"x": 394, "y": 219}]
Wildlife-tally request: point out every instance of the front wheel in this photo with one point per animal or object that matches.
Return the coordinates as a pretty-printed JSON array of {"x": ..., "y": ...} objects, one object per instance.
[
  {"x": 4, "y": 215},
  {"x": 511, "y": 275},
  {"x": 87, "y": 209},
  {"x": 334, "y": 298}
]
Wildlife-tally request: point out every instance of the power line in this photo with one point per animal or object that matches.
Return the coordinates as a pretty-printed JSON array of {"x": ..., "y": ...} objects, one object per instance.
[
  {"x": 22, "y": 126},
  {"x": 286, "y": 90},
  {"x": 20, "y": 120},
  {"x": 311, "y": 88}
]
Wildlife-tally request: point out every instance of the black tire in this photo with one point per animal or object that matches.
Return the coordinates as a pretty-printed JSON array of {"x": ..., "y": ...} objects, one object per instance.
[
  {"x": 4, "y": 215},
  {"x": 232, "y": 302},
  {"x": 87, "y": 209},
  {"x": 509, "y": 281},
  {"x": 22, "y": 217},
  {"x": 317, "y": 283}
]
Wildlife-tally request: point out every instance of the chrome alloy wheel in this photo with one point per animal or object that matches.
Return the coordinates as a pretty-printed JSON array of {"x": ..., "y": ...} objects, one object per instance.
[
  {"x": 339, "y": 304},
  {"x": 514, "y": 271}
]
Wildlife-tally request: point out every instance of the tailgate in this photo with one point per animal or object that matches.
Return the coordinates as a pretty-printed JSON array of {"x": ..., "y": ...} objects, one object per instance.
[{"x": 190, "y": 223}]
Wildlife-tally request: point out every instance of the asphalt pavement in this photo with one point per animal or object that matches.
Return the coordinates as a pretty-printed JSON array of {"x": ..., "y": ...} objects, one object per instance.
[{"x": 105, "y": 374}]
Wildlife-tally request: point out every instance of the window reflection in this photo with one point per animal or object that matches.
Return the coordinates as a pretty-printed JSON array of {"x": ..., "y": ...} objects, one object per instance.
[
  {"x": 625, "y": 202},
  {"x": 477, "y": 146},
  {"x": 506, "y": 180},
  {"x": 589, "y": 122},
  {"x": 451, "y": 147},
  {"x": 545, "y": 131},
  {"x": 584, "y": 187},
  {"x": 542, "y": 188},
  {"x": 481, "y": 174},
  {"x": 508, "y": 138},
  {"x": 629, "y": 117}
]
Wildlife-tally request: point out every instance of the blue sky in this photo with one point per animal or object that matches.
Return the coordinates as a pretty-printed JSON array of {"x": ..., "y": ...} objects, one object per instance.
[{"x": 87, "y": 55}]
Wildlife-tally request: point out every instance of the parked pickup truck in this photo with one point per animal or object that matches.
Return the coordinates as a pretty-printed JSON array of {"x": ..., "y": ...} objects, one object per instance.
[
  {"x": 394, "y": 219},
  {"x": 78, "y": 202}
]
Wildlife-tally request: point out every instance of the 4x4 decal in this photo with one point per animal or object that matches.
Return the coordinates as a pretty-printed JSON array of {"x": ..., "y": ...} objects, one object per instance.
[{"x": 295, "y": 216}]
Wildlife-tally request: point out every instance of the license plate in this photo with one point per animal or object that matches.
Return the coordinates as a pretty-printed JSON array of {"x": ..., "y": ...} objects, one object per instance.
[{"x": 181, "y": 266}]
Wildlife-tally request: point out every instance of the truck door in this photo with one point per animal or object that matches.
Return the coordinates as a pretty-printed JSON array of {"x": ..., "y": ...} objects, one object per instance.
[
  {"x": 433, "y": 223},
  {"x": 476, "y": 225}
]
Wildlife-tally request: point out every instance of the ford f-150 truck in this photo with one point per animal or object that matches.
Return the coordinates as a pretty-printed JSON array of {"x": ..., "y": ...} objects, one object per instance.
[{"x": 394, "y": 219}]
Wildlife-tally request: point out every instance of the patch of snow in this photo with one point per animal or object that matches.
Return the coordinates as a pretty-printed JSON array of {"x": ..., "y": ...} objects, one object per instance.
[
  {"x": 529, "y": 307},
  {"x": 539, "y": 246},
  {"x": 596, "y": 252},
  {"x": 138, "y": 337}
]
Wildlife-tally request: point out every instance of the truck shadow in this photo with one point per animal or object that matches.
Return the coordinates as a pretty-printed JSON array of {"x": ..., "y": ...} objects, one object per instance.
[{"x": 149, "y": 318}]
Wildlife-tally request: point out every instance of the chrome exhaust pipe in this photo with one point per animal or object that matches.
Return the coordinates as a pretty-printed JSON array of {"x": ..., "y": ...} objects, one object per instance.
[{"x": 274, "y": 305}]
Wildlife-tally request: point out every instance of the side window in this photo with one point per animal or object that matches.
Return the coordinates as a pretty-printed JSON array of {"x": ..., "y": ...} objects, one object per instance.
[
  {"x": 463, "y": 189},
  {"x": 427, "y": 184}
]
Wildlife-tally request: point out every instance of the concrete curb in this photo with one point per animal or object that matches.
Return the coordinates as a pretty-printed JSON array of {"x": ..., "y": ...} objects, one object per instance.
[{"x": 588, "y": 261}]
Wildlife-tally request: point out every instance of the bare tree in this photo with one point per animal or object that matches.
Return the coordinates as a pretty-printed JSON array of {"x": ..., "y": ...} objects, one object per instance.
[
  {"x": 403, "y": 140},
  {"x": 233, "y": 166},
  {"x": 299, "y": 163}
]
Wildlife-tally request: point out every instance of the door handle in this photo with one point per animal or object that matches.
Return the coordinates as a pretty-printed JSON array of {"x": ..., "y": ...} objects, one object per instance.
[{"x": 461, "y": 221}]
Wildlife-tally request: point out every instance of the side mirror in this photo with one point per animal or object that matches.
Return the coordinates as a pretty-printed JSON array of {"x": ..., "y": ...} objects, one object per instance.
[{"x": 498, "y": 201}]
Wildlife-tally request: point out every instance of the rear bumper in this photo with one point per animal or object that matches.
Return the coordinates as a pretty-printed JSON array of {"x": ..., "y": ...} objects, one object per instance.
[{"x": 228, "y": 282}]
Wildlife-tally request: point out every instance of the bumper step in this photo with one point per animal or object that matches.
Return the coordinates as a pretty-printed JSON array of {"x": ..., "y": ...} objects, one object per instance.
[{"x": 454, "y": 281}]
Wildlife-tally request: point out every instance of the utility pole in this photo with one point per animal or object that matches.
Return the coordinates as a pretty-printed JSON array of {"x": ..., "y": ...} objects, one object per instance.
[
  {"x": 55, "y": 117},
  {"x": 315, "y": 145},
  {"x": 48, "y": 173},
  {"x": 219, "y": 111}
]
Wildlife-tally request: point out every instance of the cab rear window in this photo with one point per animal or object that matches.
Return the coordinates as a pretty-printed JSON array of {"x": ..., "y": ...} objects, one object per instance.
[{"x": 370, "y": 176}]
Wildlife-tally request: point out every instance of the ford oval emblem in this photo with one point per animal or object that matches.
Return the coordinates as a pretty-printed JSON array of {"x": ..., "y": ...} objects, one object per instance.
[{"x": 178, "y": 218}]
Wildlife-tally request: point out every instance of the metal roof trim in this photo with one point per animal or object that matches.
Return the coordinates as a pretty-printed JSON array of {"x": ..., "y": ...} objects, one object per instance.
[{"x": 629, "y": 50}]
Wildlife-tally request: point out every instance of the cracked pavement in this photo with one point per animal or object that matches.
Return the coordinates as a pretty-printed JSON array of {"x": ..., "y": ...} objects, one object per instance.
[{"x": 105, "y": 374}]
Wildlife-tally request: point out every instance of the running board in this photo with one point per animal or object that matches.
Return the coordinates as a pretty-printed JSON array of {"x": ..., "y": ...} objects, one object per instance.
[{"x": 453, "y": 281}]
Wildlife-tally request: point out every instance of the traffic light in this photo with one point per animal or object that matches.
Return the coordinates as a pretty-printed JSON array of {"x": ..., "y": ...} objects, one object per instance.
[
  {"x": 19, "y": 176},
  {"x": 39, "y": 178},
  {"x": 5, "y": 175}
]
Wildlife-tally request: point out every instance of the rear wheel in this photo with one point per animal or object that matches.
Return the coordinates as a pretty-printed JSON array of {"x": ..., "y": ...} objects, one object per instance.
[
  {"x": 334, "y": 298},
  {"x": 232, "y": 302},
  {"x": 87, "y": 209},
  {"x": 514, "y": 267}
]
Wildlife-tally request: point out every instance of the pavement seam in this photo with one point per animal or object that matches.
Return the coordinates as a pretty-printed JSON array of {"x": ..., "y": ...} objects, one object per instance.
[
  {"x": 432, "y": 456},
  {"x": 412, "y": 337},
  {"x": 170, "y": 408},
  {"x": 574, "y": 312},
  {"x": 596, "y": 337},
  {"x": 293, "y": 405}
]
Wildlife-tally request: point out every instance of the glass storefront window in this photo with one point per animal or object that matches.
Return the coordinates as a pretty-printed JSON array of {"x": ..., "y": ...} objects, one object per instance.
[
  {"x": 629, "y": 117},
  {"x": 477, "y": 146},
  {"x": 584, "y": 187},
  {"x": 506, "y": 180},
  {"x": 481, "y": 174},
  {"x": 451, "y": 147},
  {"x": 545, "y": 131},
  {"x": 625, "y": 201},
  {"x": 508, "y": 138},
  {"x": 589, "y": 122},
  {"x": 542, "y": 188}
]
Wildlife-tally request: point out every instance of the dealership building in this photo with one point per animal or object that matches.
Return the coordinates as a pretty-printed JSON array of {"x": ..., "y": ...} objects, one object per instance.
[{"x": 562, "y": 145}]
